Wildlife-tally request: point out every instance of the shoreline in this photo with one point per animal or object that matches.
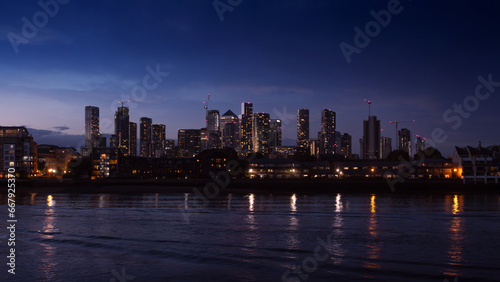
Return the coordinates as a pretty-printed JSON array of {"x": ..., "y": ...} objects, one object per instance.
[{"x": 245, "y": 186}]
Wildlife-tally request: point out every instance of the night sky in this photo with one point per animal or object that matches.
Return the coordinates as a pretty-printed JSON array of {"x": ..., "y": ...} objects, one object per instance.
[{"x": 279, "y": 55}]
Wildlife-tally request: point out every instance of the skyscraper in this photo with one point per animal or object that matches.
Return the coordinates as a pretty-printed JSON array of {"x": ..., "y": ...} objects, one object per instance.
[
  {"x": 189, "y": 142},
  {"x": 122, "y": 129},
  {"x": 159, "y": 131},
  {"x": 328, "y": 127},
  {"x": 275, "y": 133},
  {"x": 260, "y": 133},
  {"x": 405, "y": 140},
  {"x": 370, "y": 143},
  {"x": 346, "y": 145},
  {"x": 303, "y": 129},
  {"x": 385, "y": 147},
  {"x": 230, "y": 130},
  {"x": 145, "y": 137},
  {"x": 91, "y": 126},
  {"x": 213, "y": 129},
  {"x": 419, "y": 144},
  {"x": 133, "y": 138},
  {"x": 246, "y": 138}
]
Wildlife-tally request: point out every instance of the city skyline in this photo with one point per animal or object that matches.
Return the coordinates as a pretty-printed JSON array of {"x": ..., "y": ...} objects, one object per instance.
[{"x": 428, "y": 68}]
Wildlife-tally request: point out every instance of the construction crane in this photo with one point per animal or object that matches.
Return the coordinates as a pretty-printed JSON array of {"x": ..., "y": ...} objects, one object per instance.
[
  {"x": 396, "y": 123},
  {"x": 369, "y": 107},
  {"x": 205, "y": 105}
]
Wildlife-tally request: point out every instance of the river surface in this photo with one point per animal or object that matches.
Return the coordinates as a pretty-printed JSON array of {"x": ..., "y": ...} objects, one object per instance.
[{"x": 255, "y": 237}]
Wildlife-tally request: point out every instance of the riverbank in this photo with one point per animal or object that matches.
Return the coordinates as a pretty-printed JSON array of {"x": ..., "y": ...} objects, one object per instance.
[{"x": 313, "y": 186}]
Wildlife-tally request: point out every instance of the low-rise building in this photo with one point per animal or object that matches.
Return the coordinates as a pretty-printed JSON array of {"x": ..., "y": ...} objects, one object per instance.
[
  {"x": 18, "y": 152},
  {"x": 477, "y": 164}
]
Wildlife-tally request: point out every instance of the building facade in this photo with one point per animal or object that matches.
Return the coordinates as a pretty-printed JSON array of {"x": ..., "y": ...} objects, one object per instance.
[
  {"x": 260, "y": 133},
  {"x": 158, "y": 140},
  {"x": 303, "y": 129},
  {"x": 370, "y": 143},
  {"x": 146, "y": 146},
  {"x": 230, "y": 130},
  {"x": 133, "y": 138},
  {"x": 18, "y": 152},
  {"x": 246, "y": 128},
  {"x": 189, "y": 142},
  {"x": 213, "y": 129},
  {"x": 122, "y": 129},
  {"x": 405, "y": 140},
  {"x": 327, "y": 135}
]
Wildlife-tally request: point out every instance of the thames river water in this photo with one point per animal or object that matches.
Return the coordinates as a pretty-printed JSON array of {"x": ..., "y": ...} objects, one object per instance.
[{"x": 256, "y": 237}]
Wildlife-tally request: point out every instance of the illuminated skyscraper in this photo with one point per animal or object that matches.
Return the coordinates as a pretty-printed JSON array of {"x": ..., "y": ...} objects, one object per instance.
[
  {"x": 303, "y": 129},
  {"x": 246, "y": 128},
  {"x": 419, "y": 144},
  {"x": 275, "y": 133},
  {"x": 260, "y": 133},
  {"x": 213, "y": 129},
  {"x": 385, "y": 147},
  {"x": 370, "y": 143},
  {"x": 405, "y": 140},
  {"x": 189, "y": 142},
  {"x": 230, "y": 130},
  {"x": 122, "y": 129},
  {"x": 146, "y": 146},
  {"x": 346, "y": 145},
  {"x": 91, "y": 126},
  {"x": 159, "y": 131},
  {"x": 133, "y": 138},
  {"x": 328, "y": 127}
]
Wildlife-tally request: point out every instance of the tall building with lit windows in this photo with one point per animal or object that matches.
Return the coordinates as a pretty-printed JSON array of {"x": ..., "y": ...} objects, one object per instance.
[
  {"x": 404, "y": 136},
  {"x": 189, "y": 142},
  {"x": 385, "y": 147},
  {"x": 18, "y": 151},
  {"x": 91, "y": 126},
  {"x": 303, "y": 129},
  {"x": 246, "y": 128},
  {"x": 346, "y": 145},
  {"x": 122, "y": 129},
  {"x": 230, "y": 130},
  {"x": 158, "y": 142},
  {"x": 213, "y": 129},
  {"x": 133, "y": 138},
  {"x": 275, "y": 135},
  {"x": 260, "y": 133},
  {"x": 146, "y": 146},
  {"x": 370, "y": 143},
  {"x": 419, "y": 144},
  {"x": 327, "y": 136}
]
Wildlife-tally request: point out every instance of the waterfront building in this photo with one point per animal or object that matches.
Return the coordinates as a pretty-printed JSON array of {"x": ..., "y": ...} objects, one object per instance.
[
  {"x": 18, "y": 151},
  {"x": 146, "y": 146},
  {"x": 303, "y": 128}
]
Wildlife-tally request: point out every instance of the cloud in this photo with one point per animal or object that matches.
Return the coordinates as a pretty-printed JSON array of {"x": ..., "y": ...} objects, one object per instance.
[
  {"x": 51, "y": 137},
  {"x": 61, "y": 128}
]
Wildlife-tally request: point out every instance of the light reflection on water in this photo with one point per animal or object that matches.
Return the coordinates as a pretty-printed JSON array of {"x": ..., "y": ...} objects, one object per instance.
[
  {"x": 456, "y": 237},
  {"x": 373, "y": 247},
  {"x": 255, "y": 227}
]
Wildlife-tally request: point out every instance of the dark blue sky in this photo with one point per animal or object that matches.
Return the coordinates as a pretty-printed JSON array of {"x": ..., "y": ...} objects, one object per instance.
[{"x": 280, "y": 55}]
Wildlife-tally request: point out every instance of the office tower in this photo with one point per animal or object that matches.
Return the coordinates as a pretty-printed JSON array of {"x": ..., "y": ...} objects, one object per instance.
[
  {"x": 338, "y": 140},
  {"x": 385, "y": 147},
  {"x": 113, "y": 141},
  {"x": 275, "y": 133},
  {"x": 303, "y": 128},
  {"x": 146, "y": 146},
  {"x": 260, "y": 133},
  {"x": 230, "y": 130},
  {"x": 328, "y": 127},
  {"x": 189, "y": 142},
  {"x": 213, "y": 129},
  {"x": 246, "y": 128},
  {"x": 204, "y": 139},
  {"x": 370, "y": 143},
  {"x": 169, "y": 148},
  {"x": 159, "y": 131},
  {"x": 122, "y": 129},
  {"x": 419, "y": 144},
  {"x": 405, "y": 140},
  {"x": 346, "y": 145},
  {"x": 17, "y": 151},
  {"x": 314, "y": 147},
  {"x": 133, "y": 138},
  {"x": 91, "y": 126}
]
